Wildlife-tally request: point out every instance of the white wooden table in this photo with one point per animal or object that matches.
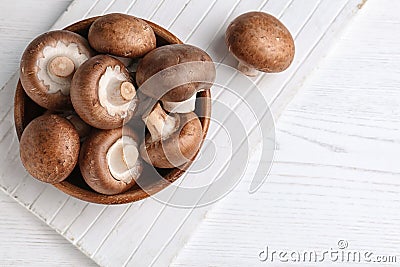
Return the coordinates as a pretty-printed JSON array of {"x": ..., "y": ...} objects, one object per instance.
[{"x": 336, "y": 174}]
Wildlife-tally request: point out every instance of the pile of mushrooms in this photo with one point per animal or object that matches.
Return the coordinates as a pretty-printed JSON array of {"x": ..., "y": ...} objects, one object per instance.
[{"x": 91, "y": 88}]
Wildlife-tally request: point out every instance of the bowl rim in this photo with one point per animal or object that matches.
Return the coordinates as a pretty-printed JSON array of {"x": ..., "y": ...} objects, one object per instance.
[{"x": 131, "y": 195}]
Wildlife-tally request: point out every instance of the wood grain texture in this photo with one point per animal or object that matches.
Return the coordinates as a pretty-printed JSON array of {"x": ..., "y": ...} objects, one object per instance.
[
  {"x": 336, "y": 172},
  {"x": 96, "y": 229},
  {"x": 26, "y": 240},
  {"x": 17, "y": 30}
]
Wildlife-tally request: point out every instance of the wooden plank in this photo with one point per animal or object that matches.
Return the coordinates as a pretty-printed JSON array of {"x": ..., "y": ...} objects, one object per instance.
[
  {"x": 28, "y": 191},
  {"x": 26, "y": 240},
  {"x": 79, "y": 8},
  {"x": 99, "y": 8},
  {"x": 336, "y": 171},
  {"x": 48, "y": 203},
  {"x": 95, "y": 229},
  {"x": 166, "y": 214},
  {"x": 104, "y": 224},
  {"x": 135, "y": 251},
  {"x": 83, "y": 220},
  {"x": 67, "y": 214}
]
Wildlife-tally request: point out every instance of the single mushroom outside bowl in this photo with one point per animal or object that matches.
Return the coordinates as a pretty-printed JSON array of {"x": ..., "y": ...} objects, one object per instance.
[{"x": 25, "y": 110}]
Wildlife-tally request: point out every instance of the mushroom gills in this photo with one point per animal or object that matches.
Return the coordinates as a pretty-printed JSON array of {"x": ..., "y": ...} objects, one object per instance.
[
  {"x": 160, "y": 124},
  {"x": 111, "y": 85},
  {"x": 186, "y": 106},
  {"x": 51, "y": 71},
  {"x": 122, "y": 159}
]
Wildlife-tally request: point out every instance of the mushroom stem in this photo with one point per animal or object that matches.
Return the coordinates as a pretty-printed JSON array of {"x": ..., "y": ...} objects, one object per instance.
[
  {"x": 80, "y": 126},
  {"x": 186, "y": 106},
  {"x": 128, "y": 91},
  {"x": 160, "y": 124},
  {"x": 247, "y": 69},
  {"x": 122, "y": 157},
  {"x": 61, "y": 66}
]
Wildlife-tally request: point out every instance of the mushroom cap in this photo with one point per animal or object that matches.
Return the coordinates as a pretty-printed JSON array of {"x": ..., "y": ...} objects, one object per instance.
[
  {"x": 168, "y": 62},
  {"x": 179, "y": 148},
  {"x": 29, "y": 69},
  {"x": 85, "y": 93},
  {"x": 49, "y": 148},
  {"x": 93, "y": 161},
  {"x": 121, "y": 35},
  {"x": 261, "y": 41}
]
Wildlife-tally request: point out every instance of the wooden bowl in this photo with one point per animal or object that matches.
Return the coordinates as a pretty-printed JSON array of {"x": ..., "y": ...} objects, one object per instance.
[{"x": 25, "y": 110}]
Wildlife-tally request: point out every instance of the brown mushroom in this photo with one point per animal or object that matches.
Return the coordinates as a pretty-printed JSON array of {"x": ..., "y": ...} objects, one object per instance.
[
  {"x": 182, "y": 70},
  {"x": 121, "y": 35},
  {"x": 49, "y": 148},
  {"x": 102, "y": 93},
  {"x": 47, "y": 66},
  {"x": 109, "y": 160},
  {"x": 173, "y": 140},
  {"x": 259, "y": 41}
]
